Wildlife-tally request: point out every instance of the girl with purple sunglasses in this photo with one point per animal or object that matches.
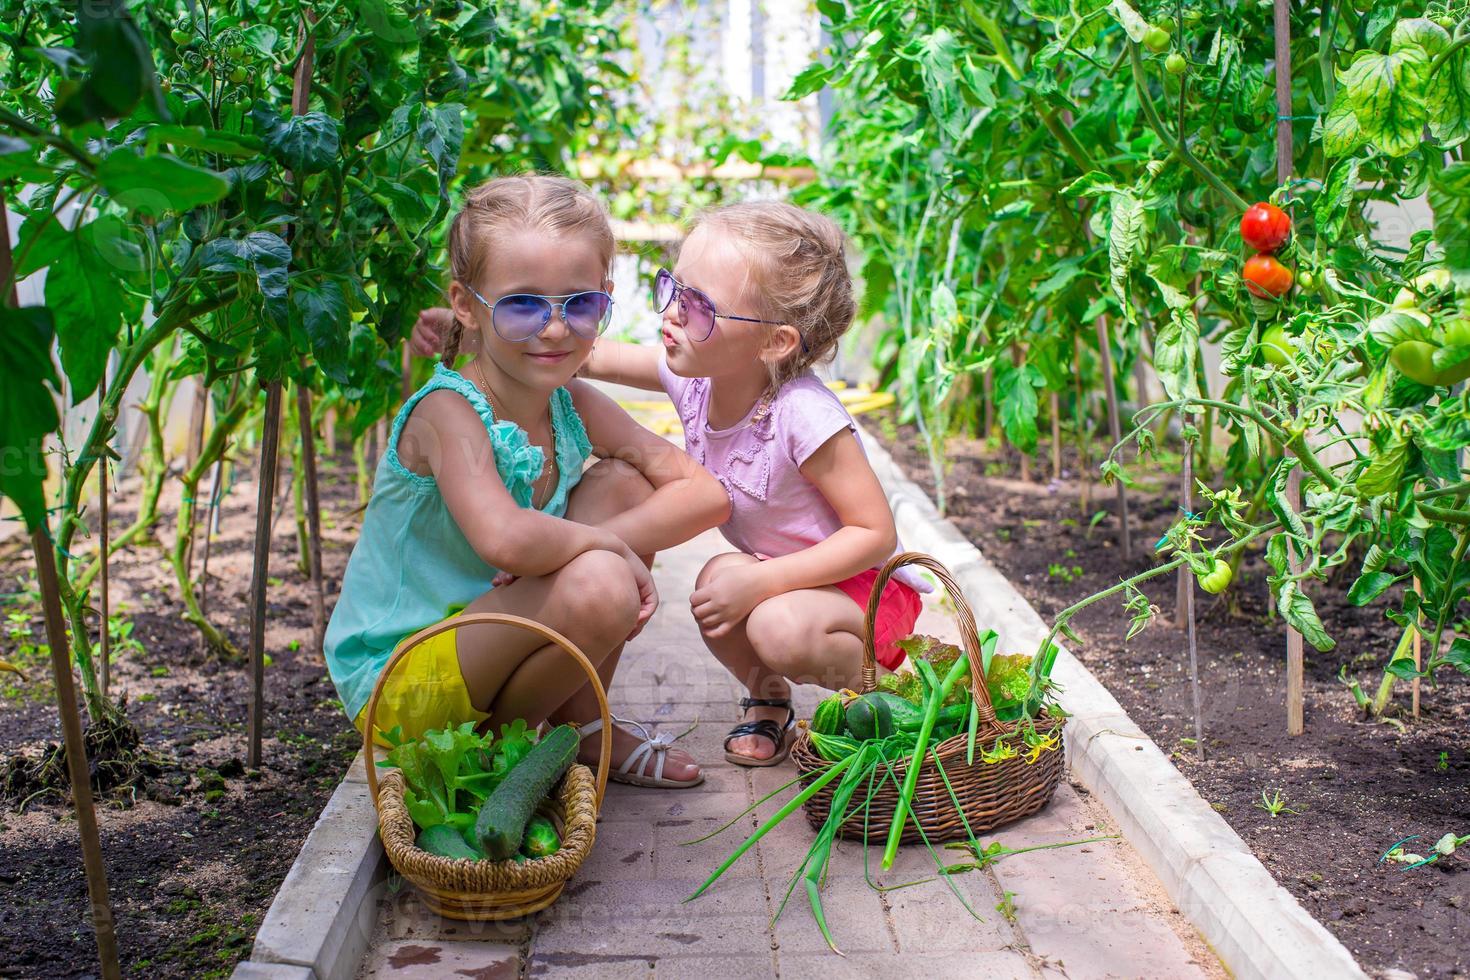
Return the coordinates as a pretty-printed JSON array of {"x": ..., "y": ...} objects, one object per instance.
[
  {"x": 760, "y": 294},
  {"x": 481, "y": 503}
]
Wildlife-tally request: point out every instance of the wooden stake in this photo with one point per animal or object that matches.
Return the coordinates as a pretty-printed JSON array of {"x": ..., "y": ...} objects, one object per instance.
[
  {"x": 265, "y": 499},
  {"x": 1418, "y": 661},
  {"x": 1056, "y": 437},
  {"x": 1184, "y": 602},
  {"x": 1295, "y": 723},
  {"x": 265, "y": 502},
  {"x": 329, "y": 431},
  {"x": 307, "y": 435},
  {"x": 105, "y": 640},
  {"x": 1188, "y": 592},
  {"x": 76, "y": 755}
]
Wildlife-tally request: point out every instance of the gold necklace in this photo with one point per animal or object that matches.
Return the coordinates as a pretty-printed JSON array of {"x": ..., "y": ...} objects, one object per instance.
[{"x": 536, "y": 490}]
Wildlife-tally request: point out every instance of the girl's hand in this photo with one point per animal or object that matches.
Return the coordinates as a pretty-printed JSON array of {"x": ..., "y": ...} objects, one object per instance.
[
  {"x": 728, "y": 599},
  {"x": 430, "y": 331},
  {"x": 647, "y": 591}
]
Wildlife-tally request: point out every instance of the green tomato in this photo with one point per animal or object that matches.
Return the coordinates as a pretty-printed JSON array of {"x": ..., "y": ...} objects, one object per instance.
[
  {"x": 1276, "y": 347},
  {"x": 1447, "y": 22},
  {"x": 1457, "y": 332},
  {"x": 236, "y": 52},
  {"x": 181, "y": 36},
  {"x": 1305, "y": 279},
  {"x": 1415, "y": 359},
  {"x": 1193, "y": 16},
  {"x": 1218, "y": 579},
  {"x": 1175, "y": 64},
  {"x": 1156, "y": 39},
  {"x": 239, "y": 75}
]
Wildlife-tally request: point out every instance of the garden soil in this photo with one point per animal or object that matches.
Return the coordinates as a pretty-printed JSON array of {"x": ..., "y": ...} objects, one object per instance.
[
  {"x": 196, "y": 853},
  {"x": 1357, "y": 786}
]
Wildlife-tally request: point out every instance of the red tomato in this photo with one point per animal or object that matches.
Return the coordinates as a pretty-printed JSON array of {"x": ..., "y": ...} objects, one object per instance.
[
  {"x": 1265, "y": 227},
  {"x": 1266, "y": 277}
]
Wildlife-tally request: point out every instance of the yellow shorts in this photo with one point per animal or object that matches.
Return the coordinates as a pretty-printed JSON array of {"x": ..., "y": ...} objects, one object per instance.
[{"x": 426, "y": 691}]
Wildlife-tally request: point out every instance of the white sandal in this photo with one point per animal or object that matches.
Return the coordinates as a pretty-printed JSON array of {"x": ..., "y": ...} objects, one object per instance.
[{"x": 657, "y": 745}]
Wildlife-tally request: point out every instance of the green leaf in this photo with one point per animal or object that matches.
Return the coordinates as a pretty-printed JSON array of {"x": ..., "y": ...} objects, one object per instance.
[
  {"x": 405, "y": 206},
  {"x": 1334, "y": 204},
  {"x": 1016, "y": 392},
  {"x": 1457, "y": 656},
  {"x": 937, "y": 54},
  {"x": 322, "y": 312},
  {"x": 122, "y": 66},
  {"x": 1133, "y": 23},
  {"x": 207, "y": 140},
  {"x": 1387, "y": 94},
  {"x": 1448, "y": 99},
  {"x": 1449, "y": 197},
  {"x": 441, "y": 133},
  {"x": 27, "y": 406},
  {"x": 156, "y": 184},
  {"x": 85, "y": 293},
  {"x": 1369, "y": 586},
  {"x": 810, "y": 79},
  {"x": 1420, "y": 32},
  {"x": 1176, "y": 350},
  {"x": 1125, "y": 230},
  {"x": 1341, "y": 134},
  {"x": 304, "y": 144},
  {"x": 261, "y": 252},
  {"x": 1297, "y": 609},
  {"x": 1385, "y": 470}
]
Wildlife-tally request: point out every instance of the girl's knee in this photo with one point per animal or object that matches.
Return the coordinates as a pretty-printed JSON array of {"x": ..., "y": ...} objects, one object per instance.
[
  {"x": 599, "y": 592},
  {"x": 782, "y": 636},
  {"x": 719, "y": 563}
]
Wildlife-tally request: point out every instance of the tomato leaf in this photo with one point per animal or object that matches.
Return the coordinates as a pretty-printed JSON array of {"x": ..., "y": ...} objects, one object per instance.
[
  {"x": 27, "y": 406},
  {"x": 1385, "y": 469},
  {"x": 304, "y": 144},
  {"x": 1387, "y": 94},
  {"x": 157, "y": 184},
  {"x": 1299, "y": 612},
  {"x": 261, "y": 252}
]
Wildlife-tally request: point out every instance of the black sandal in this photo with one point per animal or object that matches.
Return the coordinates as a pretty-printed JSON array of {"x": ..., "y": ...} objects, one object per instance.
[{"x": 765, "y": 728}]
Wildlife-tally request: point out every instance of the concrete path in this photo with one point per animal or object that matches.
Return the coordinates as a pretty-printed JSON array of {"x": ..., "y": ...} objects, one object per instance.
[{"x": 1079, "y": 912}]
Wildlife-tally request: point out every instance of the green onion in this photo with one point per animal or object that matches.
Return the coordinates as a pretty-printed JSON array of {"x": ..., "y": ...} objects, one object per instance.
[
  {"x": 911, "y": 779},
  {"x": 781, "y": 814}
]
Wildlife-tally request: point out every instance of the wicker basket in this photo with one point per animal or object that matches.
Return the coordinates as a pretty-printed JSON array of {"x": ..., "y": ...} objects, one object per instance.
[
  {"x": 990, "y": 794},
  {"x": 484, "y": 890}
]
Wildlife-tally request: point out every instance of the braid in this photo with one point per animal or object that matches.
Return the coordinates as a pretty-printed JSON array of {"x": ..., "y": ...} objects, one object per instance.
[{"x": 452, "y": 342}]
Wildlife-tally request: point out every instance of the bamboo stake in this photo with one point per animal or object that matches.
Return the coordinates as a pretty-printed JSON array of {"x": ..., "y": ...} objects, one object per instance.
[
  {"x": 307, "y": 434},
  {"x": 1056, "y": 437},
  {"x": 1295, "y": 681},
  {"x": 1184, "y": 602},
  {"x": 265, "y": 499},
  {"x": 196, "y": 445},
  {"x": 1418, "y": 661},
  {"x": 1188, "y": 593},
  {"x": 76, "y": 756},
  {"x": 77, "y": 769},
  {"x": 105, "y": 640}
]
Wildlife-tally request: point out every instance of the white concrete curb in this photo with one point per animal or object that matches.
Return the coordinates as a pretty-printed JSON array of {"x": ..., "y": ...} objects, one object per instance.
[
  {"x": 1256, "y": 927},
  {"x": 319, "y": 925}
]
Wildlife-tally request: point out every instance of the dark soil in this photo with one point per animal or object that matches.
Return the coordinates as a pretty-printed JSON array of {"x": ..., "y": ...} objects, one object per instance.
[
  {"x": 1359, "y": 785},
  {"x": 196, "y": 851}
]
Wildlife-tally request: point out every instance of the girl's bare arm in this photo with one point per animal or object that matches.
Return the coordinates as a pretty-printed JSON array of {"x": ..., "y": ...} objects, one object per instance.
[{"x": 686, "y": 500}]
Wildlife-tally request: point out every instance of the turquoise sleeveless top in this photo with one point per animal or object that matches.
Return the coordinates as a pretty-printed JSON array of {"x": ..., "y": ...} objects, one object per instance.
[{"x": 412, "y": 566}]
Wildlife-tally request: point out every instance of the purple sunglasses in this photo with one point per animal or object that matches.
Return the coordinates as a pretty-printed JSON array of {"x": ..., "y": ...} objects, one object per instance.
[{"x": 697, "y": 309}]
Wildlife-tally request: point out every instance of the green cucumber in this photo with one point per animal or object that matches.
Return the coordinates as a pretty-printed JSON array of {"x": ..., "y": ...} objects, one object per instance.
[
  {"x": 828, "y": 718},
  {"x": 504, "y": 815},
  {"x": 541, "y": 838},
  {"x": 444, "y": 841},
  {"x": 833, "y": 748},
  {"x": 907, "y": 716},
  {"x": 871, "y": 716}
]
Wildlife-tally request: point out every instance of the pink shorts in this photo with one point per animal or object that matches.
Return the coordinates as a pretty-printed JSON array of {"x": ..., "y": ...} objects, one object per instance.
[{"x": 898, "y": 611}]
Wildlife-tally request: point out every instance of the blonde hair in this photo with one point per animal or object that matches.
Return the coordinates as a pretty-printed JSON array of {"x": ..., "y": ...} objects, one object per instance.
[
  {"x": 556, "y": 205},
  {"x": 798, "y": 262}
]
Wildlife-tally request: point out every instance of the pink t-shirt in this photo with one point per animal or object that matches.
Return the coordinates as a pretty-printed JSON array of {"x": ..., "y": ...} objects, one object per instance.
[{"x": 775, "y": 510}]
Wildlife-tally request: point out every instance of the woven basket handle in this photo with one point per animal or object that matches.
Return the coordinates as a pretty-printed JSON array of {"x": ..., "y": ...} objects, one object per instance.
[
  {"x": 604, "y": 758},
  {"x": 969, "y": 636}
]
